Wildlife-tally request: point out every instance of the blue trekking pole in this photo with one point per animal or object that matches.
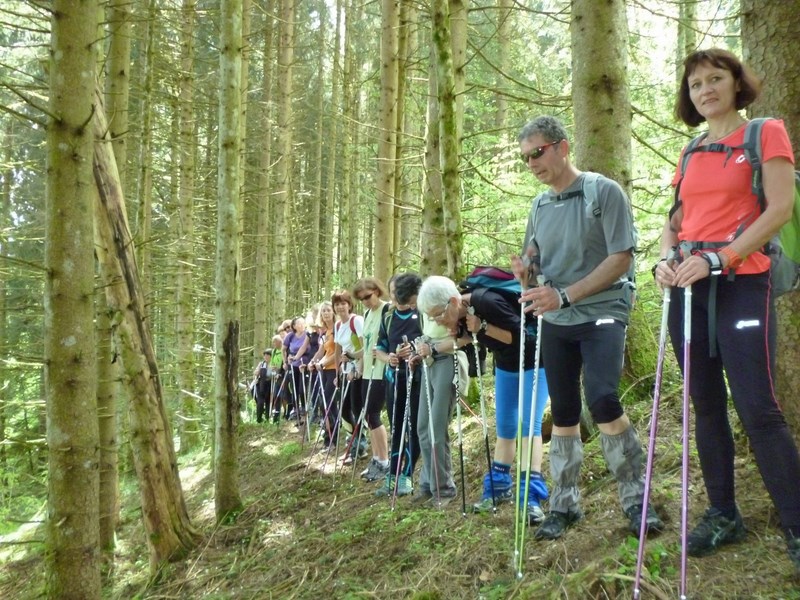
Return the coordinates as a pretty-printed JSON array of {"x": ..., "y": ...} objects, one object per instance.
[{"x": 662, "y": 344}]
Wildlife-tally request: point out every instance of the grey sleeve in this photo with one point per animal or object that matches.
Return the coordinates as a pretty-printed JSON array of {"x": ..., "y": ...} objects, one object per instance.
[{"x": 618, "y": 226}]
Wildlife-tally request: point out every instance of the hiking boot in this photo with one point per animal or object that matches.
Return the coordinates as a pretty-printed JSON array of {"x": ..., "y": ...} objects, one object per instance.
[
  {"x": 404, "y": 486},
  {"x": 387, "y": 488},
  {"x": 793, "y": 546},
  {"x": 537, "y": 493},
  {"x": 556, "y": 523},
  {"x": 498, "y": 480},
  {"x": 713, "y": 531},
  {"x": 421, "y": 498},
  {"x": 370, "y": 468},
  {"x": 376, "y": 471},
  {"x": 276, "y": 416},
  {"x": 653, "y": 522}
]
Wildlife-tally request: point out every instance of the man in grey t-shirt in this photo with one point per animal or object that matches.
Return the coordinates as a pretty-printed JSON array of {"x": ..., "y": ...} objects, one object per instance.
[{"x": 580, "y": 239}]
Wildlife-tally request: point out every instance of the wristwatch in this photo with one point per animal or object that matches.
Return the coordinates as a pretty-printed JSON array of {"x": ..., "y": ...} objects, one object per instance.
[
  {"x": 564, "y": 297},
  {"x": 484, "y": 326}
]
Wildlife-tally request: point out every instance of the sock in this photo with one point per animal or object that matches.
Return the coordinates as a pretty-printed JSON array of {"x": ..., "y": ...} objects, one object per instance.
[{"x": 499, "y": 467}]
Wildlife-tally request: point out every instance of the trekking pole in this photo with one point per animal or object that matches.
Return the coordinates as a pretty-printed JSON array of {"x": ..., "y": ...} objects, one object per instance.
[
  {"x": 362, "y": 419},
  {"x": 306, "y": 402},
  {"x": 295, "y": 398},
  {"x": 484, "y": 422},
  {"x": 687, "y": 343},
  {"x": 324, "y": 423},
  {"x": 337, "y": 428},
  {"x": 280, "y": 389},
  {"x": 518, "y": 441},
  {"x": 531, "y": 421},
  {"x": 404, "y": 427},
  {"x": 662, "y": 344},
  {"x": 427, "y": 384},
  {"x": 460, "y": 443}
]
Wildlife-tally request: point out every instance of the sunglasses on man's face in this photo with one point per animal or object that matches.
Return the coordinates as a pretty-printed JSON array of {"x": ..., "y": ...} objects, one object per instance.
[{"x": 538, "y": 152}]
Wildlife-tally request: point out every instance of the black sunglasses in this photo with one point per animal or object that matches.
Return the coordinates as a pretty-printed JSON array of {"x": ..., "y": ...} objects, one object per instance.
[{"x": 538, "y": 152}]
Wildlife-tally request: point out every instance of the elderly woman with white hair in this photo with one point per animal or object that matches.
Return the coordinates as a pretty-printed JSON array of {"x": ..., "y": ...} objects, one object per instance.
[
  {"x": 495, "y": 321},
  {"x": 438, "y": 298}
]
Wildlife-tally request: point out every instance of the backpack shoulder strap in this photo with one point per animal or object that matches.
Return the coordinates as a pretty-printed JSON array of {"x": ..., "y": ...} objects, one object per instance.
[
  {"x": 691, "y": 147},
  {"x": 590, "y": 194},
  {"x": 352, "y": 324},
  {"x": 754, "y": 155}
]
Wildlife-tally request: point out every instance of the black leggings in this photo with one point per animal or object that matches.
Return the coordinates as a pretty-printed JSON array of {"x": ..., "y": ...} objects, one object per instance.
[
  {"x": 375, "y": 402},
  {"x": 745, "y": 340},
  {"x": 597, "y": 349}
]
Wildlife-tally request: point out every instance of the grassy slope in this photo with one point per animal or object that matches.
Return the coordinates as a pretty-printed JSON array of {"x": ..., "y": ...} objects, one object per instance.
[{"x": 304, "y": 535}]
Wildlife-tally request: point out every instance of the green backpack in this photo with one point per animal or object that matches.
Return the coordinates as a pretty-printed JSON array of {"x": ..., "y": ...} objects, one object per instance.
[{"x": 784, "y": 248}]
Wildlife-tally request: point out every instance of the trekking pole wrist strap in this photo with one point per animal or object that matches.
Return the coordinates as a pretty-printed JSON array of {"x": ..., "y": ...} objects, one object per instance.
[
  {"x": 714, "y": 262},
  {"x": 655, "y": 266}
]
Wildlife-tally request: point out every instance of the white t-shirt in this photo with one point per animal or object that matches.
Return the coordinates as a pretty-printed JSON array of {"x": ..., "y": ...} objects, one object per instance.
[{"x": 343, "y": 334}]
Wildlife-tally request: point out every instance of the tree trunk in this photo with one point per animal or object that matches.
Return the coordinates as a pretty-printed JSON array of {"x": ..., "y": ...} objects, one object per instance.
[
  {"x": 166, "y": 520},
  {"x": 145, "y": 207},
  {"x": 687, "y": 34},
  {"x": 449, "y": 131},
  {"x": 118, "y": 81},
  {"x": 226, "y": 331},
  {"x": 73, "y": 567},
  {"x": 333, "y": 156},
  {"x": 107, "y": 392},
  {"x": 600, "y": 89},
  {"x": 264, "y": 242},
  {"x": 769, "y": 36},
  {"x": 184, "y": 292},
  {"x": 317, "y": 196},
  {"x": 434, "y": 251},
  {"x": 5, "y": 204},
  {"x": 283, "y": 167},
  {"x": 343, "y": 266},
  {"x": 387, "y": 142}
]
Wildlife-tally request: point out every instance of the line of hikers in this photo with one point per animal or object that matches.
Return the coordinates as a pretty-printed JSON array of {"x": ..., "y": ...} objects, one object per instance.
[{"x": 575, "y": 272}]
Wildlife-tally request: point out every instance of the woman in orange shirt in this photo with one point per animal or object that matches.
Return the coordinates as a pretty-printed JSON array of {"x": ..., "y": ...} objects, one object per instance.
[{"x": 721, "y": 231}]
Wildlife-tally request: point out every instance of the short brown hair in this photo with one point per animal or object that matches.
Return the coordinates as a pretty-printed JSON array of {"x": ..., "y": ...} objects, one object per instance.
[
  {"x": 370, "y": 283},
  {"x": 749, "y": 83},
  {"x": 342, "y": 296}
]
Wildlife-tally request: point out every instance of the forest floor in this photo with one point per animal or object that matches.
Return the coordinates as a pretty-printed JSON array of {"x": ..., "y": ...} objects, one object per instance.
[{"x": 307, "y": 534}]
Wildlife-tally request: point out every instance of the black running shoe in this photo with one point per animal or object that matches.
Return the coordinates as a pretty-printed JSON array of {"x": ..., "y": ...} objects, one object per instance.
[
  {"x": 556, "y": 523},
  {"x": 653, "y": 524},
  {"x": 713, "y": 531}
]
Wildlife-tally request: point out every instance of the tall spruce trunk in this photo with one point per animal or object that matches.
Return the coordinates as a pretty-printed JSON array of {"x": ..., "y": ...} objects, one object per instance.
[
  {"x": 226, "y": 282},
  {"x": 73, "y": 560},
  {"x": 166, "y": 519}
]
